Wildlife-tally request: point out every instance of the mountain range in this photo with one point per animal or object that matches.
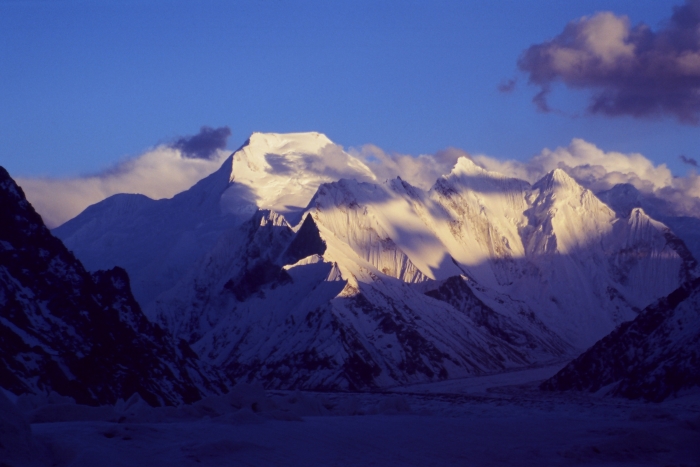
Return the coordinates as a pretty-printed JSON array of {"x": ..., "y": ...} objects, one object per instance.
[{"x": 292, "y": 264}]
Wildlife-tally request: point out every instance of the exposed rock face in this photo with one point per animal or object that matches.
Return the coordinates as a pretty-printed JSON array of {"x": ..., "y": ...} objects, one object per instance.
[
  {"x": 655, "y": 356},
  {"x": 79, "y": 334}
]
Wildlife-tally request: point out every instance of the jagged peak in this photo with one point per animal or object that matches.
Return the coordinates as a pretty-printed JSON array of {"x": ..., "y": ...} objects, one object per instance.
[
  {"x": 638, "y": 218},
  {"x": 341, "y": 192},
  {"x": 264, "y": 217},
  {"x": 398, "y": 185}
]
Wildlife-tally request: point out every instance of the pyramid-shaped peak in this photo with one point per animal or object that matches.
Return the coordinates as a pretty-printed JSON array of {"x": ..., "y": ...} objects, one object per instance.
[
  {"x": 306, "y": 242},
  {"x": 639, "y": 218},
  {"x": 557, "y": 180},
  {"x": 625, "y": 189},
  {"x": 561, "y": 176}
]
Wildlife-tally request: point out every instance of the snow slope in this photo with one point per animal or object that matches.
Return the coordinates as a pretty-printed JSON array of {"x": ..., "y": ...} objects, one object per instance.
[{"x": 553, "y": 247}]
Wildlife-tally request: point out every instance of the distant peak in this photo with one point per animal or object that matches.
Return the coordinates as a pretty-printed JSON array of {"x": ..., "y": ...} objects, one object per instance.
[
  {"x": 625, "y": 189},
  {"x": 468, "y": 174},
  {"x": 556, "y": 180}
]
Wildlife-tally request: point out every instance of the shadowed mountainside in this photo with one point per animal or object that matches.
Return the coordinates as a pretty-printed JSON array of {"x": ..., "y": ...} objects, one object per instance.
[{"x": 79, "y": 334}]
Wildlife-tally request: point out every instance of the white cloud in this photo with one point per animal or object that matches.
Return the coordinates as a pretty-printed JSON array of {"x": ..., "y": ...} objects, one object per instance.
[
  {"x": 159, "y": 173},
  {"x": 593, "y": 165}
]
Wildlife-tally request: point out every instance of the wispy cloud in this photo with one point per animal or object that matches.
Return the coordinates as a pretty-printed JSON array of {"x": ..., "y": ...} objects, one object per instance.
[
  {"x": 158, "y": 173},
  {"x": 688, "y": 160},
  {"x": 507, "y": 86},
  {"x": 630, "y": 70},
  {"x": 421, "y": 171}
]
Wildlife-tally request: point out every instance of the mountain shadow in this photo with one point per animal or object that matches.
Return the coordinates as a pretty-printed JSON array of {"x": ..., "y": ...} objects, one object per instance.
[
  {"x": 653, "y": 357},
  {"x": 79, "y": 334}
]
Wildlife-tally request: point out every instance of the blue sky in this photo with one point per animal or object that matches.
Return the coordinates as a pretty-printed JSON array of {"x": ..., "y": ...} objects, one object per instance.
[{"x": 84, "y": 84}]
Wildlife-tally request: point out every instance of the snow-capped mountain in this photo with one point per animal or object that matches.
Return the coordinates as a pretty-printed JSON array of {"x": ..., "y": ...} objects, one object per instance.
[
  {"x": 79, "y": 334},
  {"x": 157, "y": 241},
  {"x": 292, "y": 265},
  {"x": 652, "y": 357},
  {"x": 298, "y": 310},
  {"x": 552, "y": 247}
]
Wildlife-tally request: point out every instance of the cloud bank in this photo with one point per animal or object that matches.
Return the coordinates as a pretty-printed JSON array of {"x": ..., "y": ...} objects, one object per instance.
[
  {"x": 160, "y": 173},
  {"x": 599, "y": 170},
  {"x": 630, "y": 70}
]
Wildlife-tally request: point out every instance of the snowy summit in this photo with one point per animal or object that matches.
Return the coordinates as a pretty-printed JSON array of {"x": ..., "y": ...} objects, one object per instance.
[{"x": 281, "y": 172}]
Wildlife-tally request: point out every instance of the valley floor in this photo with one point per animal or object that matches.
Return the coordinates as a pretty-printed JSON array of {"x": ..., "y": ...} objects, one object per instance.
[{"x": 492, "y": 421}]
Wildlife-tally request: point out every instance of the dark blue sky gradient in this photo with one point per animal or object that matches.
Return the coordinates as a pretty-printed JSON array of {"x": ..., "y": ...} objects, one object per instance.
[{"x": 84, "y": 84}]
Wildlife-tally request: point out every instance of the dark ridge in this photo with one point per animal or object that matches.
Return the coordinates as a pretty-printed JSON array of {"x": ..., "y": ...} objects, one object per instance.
[
  {"x": 307, "y": 242},
  {"x": 79, "y": 334},
  {"x": 255, "y": 278},
  {"x": 639, "y": 357}
]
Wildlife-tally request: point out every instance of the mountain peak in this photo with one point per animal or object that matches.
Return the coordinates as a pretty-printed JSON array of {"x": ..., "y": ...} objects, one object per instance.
[
  {"x": 467, "y": 175},
  {"x": 557, "y": 183},
  {"x": 558, "y": 178},
  {"x": 308, "y": 142},
  {"x": 282, "y": 172}
]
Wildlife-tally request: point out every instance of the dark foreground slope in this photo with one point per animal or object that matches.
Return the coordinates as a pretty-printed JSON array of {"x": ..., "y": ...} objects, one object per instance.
[
  {"x": 79, "y": 334},
  {"x": 655, "y": 356}
]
